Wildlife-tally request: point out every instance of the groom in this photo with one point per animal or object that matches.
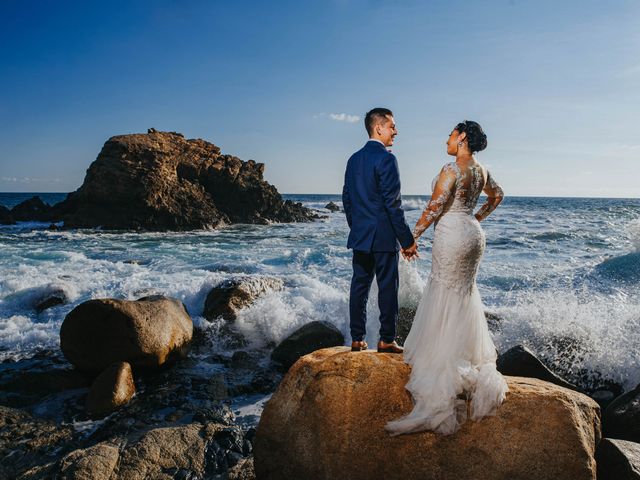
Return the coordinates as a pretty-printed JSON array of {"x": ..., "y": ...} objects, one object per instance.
[{"x": 371, "y": 200}]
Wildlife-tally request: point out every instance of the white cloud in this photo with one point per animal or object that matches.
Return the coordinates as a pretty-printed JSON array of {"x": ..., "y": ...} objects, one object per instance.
[
  {"x": 338, "y": 117},
  {"x": 30, "y": 180},
  {"x": 344, "y": 117}
]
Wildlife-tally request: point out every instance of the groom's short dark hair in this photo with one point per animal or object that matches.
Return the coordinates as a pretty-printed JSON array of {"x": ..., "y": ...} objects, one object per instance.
[{"x": 374, "y": 116}]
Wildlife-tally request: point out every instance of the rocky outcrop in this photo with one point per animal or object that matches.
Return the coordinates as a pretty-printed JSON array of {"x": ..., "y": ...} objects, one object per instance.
[
  {"x": 326, "y": 420},
  {"x": 5, "y": 216},
  {"x": 522, "y": 362},
  {"x": 308, "y": 338},
  {"x": 332, "y": 207},
  {"x": 145, "y": 332},
  {"x": 228, "y": 298},
  {"x": 162, "y": 181},
  {"x": 621, "y": 419},
  {"x": 111, "y": 389},
  {"x": 618, "y": 460},
  {"x": 33, "y": 209}
]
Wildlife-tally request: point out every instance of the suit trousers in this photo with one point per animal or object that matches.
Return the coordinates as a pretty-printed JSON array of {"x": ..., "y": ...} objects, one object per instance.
[{"x": 384, "y": 265}]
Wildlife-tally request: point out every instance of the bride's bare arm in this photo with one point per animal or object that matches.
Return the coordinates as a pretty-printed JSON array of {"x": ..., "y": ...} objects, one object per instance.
[
  {"x": 494, "y": 197},
  {"x": 441, "y": 194}
]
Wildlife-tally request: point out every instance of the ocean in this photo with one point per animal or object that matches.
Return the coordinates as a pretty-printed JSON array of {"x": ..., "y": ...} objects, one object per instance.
[{"x": 561, "y": 274}]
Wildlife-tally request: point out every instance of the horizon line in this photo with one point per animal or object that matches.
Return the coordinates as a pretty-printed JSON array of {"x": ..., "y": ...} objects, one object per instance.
[{"x": 404, "y": 195}]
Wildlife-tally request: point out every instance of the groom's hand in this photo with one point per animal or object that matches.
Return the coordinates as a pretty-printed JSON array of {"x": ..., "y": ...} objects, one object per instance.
[{"x": 411, "y": 252}]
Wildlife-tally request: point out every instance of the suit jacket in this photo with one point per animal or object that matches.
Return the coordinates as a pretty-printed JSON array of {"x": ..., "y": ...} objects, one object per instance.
[{"x": 372, "y": 202}]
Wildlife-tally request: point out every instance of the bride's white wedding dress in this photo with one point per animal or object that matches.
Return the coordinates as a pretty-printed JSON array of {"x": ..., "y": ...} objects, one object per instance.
[{"x": 449, "y": 346}]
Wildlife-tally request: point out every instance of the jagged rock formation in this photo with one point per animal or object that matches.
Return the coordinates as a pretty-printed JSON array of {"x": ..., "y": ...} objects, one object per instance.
[{"x": 162, "y": 181}]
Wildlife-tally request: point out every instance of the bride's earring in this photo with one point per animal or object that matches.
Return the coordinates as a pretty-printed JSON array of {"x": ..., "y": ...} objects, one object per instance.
[{"x": 460, "y": 144}]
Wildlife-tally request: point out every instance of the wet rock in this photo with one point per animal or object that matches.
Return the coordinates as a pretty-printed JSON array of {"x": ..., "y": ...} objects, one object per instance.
[
  {"x": 5, "y": 216},
  {"x": 621, "y": 419},
  {"x": 51, "y": 299},
  {"x": 332, "y": 207},
  {"x": 520, "y": 361},
  {"x": 146, "y": 332},
  {"x": 20, "y": 388},
  {"x": 494, "y": 321},
  {"x": 327, "y": 417},
  {"x": 27, "y": 442},
  {"x": 308, "y": 338},
  {"x": 33, "y": 209},
  {"x": 243, "y": 360},
  {"x": 111, "y": 389},
  {"x": 162, "y": 181},
  {"x": 228, "y": 298},
  {"x": 618, "y": 460}
]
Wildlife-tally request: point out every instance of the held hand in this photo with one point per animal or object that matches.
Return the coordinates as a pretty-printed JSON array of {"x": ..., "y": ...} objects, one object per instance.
[{"x": 410, "y": 253}]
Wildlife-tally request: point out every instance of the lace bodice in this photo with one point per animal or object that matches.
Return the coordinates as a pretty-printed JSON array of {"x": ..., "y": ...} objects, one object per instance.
[{"x": 457, "y": 190}]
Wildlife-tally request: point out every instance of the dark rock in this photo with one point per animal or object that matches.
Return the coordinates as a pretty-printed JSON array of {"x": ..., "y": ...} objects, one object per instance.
[
  {"x": 229, "y": 297},
  {"x": 25, "y": 387},
  {"x": 494, "y": 321},
  {"x": 618, "y": 460},
  {"x": 332, "y": 207},
  {"x": 308, "y": 338},
  {"x": 243, "y": 360},
  {"x": 146, "y": 332},
  {"x": 621, "y": 419},
  {"x": 33, "y": 209},
  {"x": 111, "y": 389},
  {"x": 51, "y": 299},
  {"x": 521, "y": 362},
  {"x": 403, "y": 325},
  {"x": 5, "y": 216},
  {"x": 27, "y": 442},
  {"x": 161, "y": 181}
]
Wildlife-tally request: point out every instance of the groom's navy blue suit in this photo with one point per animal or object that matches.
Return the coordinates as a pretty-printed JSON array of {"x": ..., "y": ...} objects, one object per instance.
[{"x": 371, "y": 200}]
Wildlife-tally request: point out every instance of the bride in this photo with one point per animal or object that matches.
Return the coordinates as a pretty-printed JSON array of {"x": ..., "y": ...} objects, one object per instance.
[{"x": 449, "y": 348}]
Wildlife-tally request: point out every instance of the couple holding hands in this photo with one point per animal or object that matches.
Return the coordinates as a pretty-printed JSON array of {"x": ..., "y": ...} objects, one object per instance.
[{"x": 449, "y": 347}]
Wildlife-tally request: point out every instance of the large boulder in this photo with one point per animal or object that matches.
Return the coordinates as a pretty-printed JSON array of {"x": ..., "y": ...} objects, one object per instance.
[
  {"x": 326, "y": 420},
  {"x": 162, "y": 181},
  {"x": 618, "y": 460},
  {"x": 521, "y": 362},
  {"x": 621, "y": 419},
  {"x": 229, "y": 297},
  {"x": 308, "y": 338},
  {"x": 145, "y": 332},
  {"x": 111, "y": 389}
]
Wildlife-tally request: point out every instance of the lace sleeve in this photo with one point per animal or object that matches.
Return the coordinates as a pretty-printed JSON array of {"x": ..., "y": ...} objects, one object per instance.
[
  {"x": 494, "y": 197},
  {"x": 441, "y": 193}
]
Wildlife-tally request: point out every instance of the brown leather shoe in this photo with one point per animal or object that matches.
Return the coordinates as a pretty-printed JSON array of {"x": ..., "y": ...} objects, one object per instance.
[
  {"x": 393, "y": 347},
  {"x": 359, "y": 346}
]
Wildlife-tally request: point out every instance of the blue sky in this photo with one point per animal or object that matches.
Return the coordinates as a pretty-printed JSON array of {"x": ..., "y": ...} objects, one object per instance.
[{"x": 554, "y": 84}]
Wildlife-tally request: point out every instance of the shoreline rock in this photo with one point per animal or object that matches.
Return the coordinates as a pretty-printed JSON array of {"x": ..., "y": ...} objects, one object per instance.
[
  {"x": 146, "y": 332},
  {"x": 326, "y": 420}
]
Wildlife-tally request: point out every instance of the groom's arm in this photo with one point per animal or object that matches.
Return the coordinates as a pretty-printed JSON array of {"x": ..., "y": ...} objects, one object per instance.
[
  {"x": 346, "y": 200},
  {"x": 389, "y": 182}
]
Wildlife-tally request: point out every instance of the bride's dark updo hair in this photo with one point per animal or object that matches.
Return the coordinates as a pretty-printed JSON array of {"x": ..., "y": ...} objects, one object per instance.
[{"x": 476, "y": 138}]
